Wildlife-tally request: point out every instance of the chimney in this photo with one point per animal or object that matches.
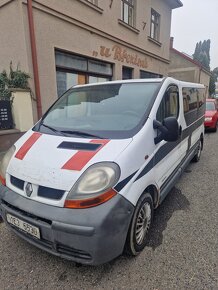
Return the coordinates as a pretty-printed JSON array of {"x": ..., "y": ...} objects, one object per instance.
[{"x": 171, "y": 42}]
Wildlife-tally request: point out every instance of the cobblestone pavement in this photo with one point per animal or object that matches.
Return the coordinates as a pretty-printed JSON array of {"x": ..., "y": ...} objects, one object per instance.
[{"x": 182, "y": 250}]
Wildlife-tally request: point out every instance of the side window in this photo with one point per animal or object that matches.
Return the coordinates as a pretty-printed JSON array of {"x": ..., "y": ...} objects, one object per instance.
[
  {"x": 202, "y": 101},
  {"x": 169, "y": 106},
  {"x": 193, "y": 103},
  {"x": 201, "y": 97},
  {"x": 190, "y": 99}
]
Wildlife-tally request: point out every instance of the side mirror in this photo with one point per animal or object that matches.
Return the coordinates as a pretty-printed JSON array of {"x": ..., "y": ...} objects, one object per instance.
[{"x": 169, "y": 130}]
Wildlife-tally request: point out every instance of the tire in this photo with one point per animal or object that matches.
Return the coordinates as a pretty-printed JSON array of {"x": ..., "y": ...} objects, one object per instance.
[
  {"x": 140, "y": 225},
  {"x": 215, "y": 128},
  {"x": 197, "y": 156}
]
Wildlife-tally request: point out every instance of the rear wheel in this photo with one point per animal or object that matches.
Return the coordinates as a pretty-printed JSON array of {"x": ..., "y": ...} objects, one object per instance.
[
  {"x": 140, "y": 225},
  {"x": 197, "y": 156}
]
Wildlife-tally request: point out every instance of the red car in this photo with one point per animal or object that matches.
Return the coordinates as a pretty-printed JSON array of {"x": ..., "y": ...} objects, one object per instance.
[{"x": 211, "y": 115}]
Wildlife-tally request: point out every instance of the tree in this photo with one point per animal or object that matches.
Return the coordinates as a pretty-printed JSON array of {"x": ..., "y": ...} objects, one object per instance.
[
  {"x": 202, "y": 53},
  {"x": 212, "y": 85},
  {"x": 215, "y": 71}
]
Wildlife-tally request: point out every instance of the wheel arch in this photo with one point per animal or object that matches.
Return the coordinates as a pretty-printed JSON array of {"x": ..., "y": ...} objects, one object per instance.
[{"x": 154, "y": 192}]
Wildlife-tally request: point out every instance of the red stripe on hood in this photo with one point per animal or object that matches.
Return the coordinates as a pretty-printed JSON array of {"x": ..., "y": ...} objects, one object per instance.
[
  {"x": 27, "y": 145},
  {"x": 81, "y": 158}
]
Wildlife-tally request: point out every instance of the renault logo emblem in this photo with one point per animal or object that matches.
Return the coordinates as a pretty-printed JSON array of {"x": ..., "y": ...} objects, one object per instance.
[{"x": 29, "y": 189}]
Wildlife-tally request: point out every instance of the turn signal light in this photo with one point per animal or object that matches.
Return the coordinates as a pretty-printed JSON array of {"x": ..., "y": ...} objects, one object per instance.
[
  {"x": 90, "y": 202},
  {"x": 2, "y": 180}
]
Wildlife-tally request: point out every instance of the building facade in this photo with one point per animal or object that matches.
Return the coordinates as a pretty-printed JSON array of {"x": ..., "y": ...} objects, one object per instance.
[
  {"x": 184, "y": 68},
  {"x": 68, "y": 42}
]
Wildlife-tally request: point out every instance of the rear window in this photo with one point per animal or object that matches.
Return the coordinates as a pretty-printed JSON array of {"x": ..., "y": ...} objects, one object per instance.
[{"x": 210, "y": 106}]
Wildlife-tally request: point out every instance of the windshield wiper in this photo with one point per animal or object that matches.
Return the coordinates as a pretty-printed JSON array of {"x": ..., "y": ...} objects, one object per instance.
[
  {"x": 82, "y": 134},
  {"x": 69, "y": 132},
  {"x": 52, "y": 129}
]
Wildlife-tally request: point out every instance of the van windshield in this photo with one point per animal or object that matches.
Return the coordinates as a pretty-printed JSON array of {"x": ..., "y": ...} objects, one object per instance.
[{"x": 104, "y": 111}]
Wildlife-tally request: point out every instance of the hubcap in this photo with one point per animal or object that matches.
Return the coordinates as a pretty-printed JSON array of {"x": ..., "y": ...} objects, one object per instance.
[{"x": 143, "y": 222}]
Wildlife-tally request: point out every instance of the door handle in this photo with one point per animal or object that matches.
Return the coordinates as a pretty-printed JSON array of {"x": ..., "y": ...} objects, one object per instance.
[{"x": 180, "y": 130}]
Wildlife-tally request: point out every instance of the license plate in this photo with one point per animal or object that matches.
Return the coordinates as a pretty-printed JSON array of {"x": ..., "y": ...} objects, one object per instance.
[{"x": 26, "y": 227}]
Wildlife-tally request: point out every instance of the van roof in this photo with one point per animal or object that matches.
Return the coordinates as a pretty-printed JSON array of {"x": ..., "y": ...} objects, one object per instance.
[
  {"x": 155, "y": 80},
  {"x": 148, "y": 80}
]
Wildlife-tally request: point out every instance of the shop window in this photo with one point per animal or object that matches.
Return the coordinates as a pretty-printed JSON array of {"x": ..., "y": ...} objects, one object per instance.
[
  {"x": 100, "y": 67},
  {"x": 128, "y": 12},
  {"x": 169, "y": 106},
  {"x": 66, "y": 80},
  {"x": 149, "y": 75},
  {"x": 155, "y": 25},
  {"x": 73, "y": 70},
  {"x": 65, "y": 60},
  {"x": 127, "y": 73},
  {"x": 94, "y": 79}
]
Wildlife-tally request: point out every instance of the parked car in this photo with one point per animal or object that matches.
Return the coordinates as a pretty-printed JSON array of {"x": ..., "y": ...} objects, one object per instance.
[
  {"x": 83, "y": 183},
  {"x": 211, "y": 115}
]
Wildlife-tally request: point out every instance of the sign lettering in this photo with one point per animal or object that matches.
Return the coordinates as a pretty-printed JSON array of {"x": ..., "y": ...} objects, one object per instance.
[{"x": 121, "y": 54}]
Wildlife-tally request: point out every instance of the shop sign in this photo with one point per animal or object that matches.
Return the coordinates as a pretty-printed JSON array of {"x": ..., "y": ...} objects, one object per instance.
[{"x": 121, "y": 54}]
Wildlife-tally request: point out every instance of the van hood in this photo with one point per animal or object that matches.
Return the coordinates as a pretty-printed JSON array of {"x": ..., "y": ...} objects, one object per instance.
[{"x": 57, "y": 162}]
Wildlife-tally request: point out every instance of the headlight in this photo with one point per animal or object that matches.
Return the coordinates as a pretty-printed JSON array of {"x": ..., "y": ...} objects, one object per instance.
[
  {"x": 94, "y": 186},
  {"x": 5, "y": 161},
  {"x": 208, "y": 119}
]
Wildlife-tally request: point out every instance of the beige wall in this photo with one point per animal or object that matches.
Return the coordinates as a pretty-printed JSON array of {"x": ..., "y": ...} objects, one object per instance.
[
  {"x": 14, "y": 40},
  {"x": 205, "y": 79},
  {"x": 185, "y": 70},
  {"x": 107, "y": 21},
  {"x": 74, "y": 26},
  {"x": 12, "y": 37},
  {"x": 55, "y": 30},
  {"x": 186, "y": 76}
]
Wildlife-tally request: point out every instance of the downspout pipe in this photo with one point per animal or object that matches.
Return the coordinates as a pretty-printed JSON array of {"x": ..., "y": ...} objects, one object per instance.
[{"x": 34, "y": 58}]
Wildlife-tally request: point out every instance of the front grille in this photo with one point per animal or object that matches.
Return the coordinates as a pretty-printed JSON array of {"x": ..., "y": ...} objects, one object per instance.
[
  {"x": 24, "y": 213},
  {"x": 45, "y": 192},
  {"x": 50, "y": 193},
  {"x": 73, "y": 252},
  {"x": 17, "y": 182}
]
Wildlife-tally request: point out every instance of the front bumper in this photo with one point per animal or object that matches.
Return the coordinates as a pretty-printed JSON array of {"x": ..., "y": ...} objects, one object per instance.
[{"x": 88, "y": 236}]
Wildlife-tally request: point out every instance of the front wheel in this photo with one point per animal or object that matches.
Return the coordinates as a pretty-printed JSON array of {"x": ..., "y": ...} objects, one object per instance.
[{"x": 140, "y": 225}]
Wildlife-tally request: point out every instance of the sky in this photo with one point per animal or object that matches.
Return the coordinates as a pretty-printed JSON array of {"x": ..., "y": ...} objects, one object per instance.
[{"x": 196, "y": 20}]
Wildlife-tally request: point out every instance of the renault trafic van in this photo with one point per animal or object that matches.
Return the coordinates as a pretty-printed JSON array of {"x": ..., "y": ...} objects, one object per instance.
[{"x": 83, "y": 183}]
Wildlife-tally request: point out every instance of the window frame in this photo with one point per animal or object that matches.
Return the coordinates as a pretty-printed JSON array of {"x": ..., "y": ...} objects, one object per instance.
[
  {"x": 130, "y": 69},
  {"x": 88, "y": 72},
  {"x": 178, "y": 103},
  {"x": 197, "y": 110},
  {"x": 156, "y": 24},
  {"x": 94, "y": 2},
  {"x": 130, "y": 6}
]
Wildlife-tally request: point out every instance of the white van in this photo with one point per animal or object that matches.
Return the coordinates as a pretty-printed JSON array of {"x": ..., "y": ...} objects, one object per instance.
[{"x": 83, "y": 183}]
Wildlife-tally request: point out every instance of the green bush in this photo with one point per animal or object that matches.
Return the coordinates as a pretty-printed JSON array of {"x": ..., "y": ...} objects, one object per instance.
[{"x": 15, "y": 79}]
